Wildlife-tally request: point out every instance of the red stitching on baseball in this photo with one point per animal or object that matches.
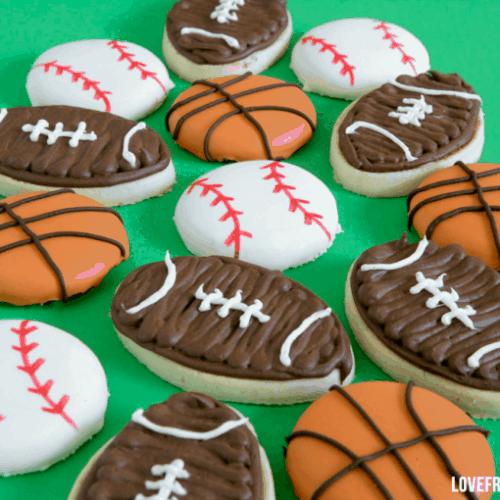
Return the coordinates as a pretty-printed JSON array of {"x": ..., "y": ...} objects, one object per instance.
[
  {"x": 337, "y": 56},
  {"x": 396, "y": 45},
  {"x": 2, "y": 418},
  {"x": 31, "y": 369},
  {"x": 295, "y": 203},
  {"x": 77, "y": 75},
  {"x": 237, "y": 233},
  {"x": 127, "y": 56}
]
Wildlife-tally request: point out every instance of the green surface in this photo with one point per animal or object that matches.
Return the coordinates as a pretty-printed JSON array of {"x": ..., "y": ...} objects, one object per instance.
[{"x": 460, "y": 36}]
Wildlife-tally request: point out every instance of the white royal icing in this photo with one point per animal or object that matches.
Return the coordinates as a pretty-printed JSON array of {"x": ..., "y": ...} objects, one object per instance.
[
  {"x": 52, "y": 135},
  {"x": 126, "y": 153},
  {"x": 285, "y": 348},
  {"x": 445, "y": 298},
  {"x": 162, "y": 292},
  {"x": 231, "y": 41},
  {"x": 169, "y": 484},
  {"x": 473, "y": 360},
  {"x": 216, "y": 298},
  {"x": 3, "y": 114},
  {"x": 422, "y": 245},
  {"x": 362, "y": 124},
  {"x": 139, "y": 418},
  {"x": 414, "y": 114},
  {"x": 223, "y": 12}
]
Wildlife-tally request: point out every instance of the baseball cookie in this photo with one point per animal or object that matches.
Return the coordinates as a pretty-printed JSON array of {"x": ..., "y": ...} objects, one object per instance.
[
  {"x": 350, "y": 57},
  {"x": 212, "y": 38},
  {"x": 231, "y": 329},
  {"x": 106, "y": 75},
  {"x": 431, "y": 315},
  {"x": 102, "y": 156},
  {"x": 242, "y": 118},
  {"x": 384, "y": 440},
  {"x": 56, "y": 244},
  {"x": 460, "y": 205},
  {"x": 388, "y": 141},
  {"x": 190, "y": 446},
  {"x": 272, "y": 214},
  {"x": 53, "y": 395}
]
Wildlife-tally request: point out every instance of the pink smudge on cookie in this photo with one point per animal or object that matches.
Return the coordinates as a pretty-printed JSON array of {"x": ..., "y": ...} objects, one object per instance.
[
  {"x": 288, "y": 136},
  {"x": 91, "y": 272}
]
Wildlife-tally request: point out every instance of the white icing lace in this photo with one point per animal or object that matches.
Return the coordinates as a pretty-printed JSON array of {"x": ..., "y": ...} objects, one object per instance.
[
  {"x": 407, "y": 114},
  {"x": 231, "y": 41},
  {"x": 126, "y": 153},
  {"x": 217, "y": 298},
  {"x": 169, "y": 483},
  {"x": 223, "y": 12},
  {"x": 474, "y": 360},
  {"x": 3, "y": 114},
  {"x": 446, "y": 298},
  {"x": 52, "y": 135}
]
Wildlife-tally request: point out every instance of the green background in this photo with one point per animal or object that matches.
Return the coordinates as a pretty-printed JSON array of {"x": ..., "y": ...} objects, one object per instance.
[{"x": 461, "y": 36}]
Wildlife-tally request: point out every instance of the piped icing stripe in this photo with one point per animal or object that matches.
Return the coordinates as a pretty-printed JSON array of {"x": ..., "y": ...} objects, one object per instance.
[
  {"x": 223, "y": 12},
  {"x": 126, "y": 153},
  {"x": 3, "y": 114},
  {"x": 414, "y": 257},
  {"x": 423, "y": 90},
  {"x": 217, "y": 298},
  {"x": 376, "y": 128},
  {"x": 169, "y": 484},
  {"x": 139, "y": 418},
  {"x": 474, "y": 360},
  {"x": 41, "y": 128},
  {"x": 414, "y": 114},
  {"x": 285, "y": 348},
  {"x": 231, "y": 41},
  {"x": 162, "y": 292}
]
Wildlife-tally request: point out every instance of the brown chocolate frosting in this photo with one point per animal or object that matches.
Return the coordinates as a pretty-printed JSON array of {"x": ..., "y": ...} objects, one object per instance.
[
  {"x": 175, "y": 329},
  {"x": 227, "y": 466},
  {"x": 450, "y": 126},
  {"x": 91, "y": 163},
  {"x": 405, "y": 324},
  {"x": 259, "y": 25}
]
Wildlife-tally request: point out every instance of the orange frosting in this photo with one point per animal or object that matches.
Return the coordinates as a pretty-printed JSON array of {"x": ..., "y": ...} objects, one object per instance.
[{"x": 310, "y": 462}]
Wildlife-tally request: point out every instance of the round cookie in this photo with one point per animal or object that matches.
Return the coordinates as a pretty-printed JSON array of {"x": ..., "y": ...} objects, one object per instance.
[
  {"x": 460, "y": 205},
  {"x": 349, "y": 57},
  {"x": 384, "y": 440},
  {"x": 213, "y": 38},
  {"x": 106, "y": 75},
  {"x": 242, "y": 118},
  {"x": 56, "y": 244},
  {"x": 189, "y": 445},
  {"x": 387, "y": 142},
  {"x": 53, "y": 395},
  {"x": 272, "y": 214},
  {"x": 233, "y": 330}
]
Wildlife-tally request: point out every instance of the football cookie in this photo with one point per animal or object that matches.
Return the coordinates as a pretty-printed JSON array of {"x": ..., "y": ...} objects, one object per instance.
[
  {"x": 431, "y": 315},
  {"x": 55, "y": 245},
  {"x": 53, "y": 395},
  {"x": 272, "y": 214},
  {"x": 102, "y": 156},
  {"x": 190, "y": 446},
  {"x": 242, "y": 118},
  {"x": 106, "y": 75},
  {"x": 212, "y": 38},
  {"x": 384, "y": 440},
  {"x": 460, "y": 205},
  {"x": 388, "y": 141},
  {"x": 231, "y": 329},
  {"x": 350, "y": 57}
]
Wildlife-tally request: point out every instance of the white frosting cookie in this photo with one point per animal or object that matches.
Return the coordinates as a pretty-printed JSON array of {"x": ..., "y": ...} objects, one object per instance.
[
  {"x": 106, "y": 75},
  {"x": 350, "y": 57},
  {"x": 269, "y": 213},
  {"x": 53, "y": 395}
]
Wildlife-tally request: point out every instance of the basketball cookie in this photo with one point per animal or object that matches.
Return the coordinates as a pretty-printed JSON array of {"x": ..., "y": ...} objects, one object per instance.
[
  {"x": 53, "y": 395},
  {"x": 190, "y": 446},
  {"x": 431, "y": 315},
  {"x": 242, "y": 118},
  {"x": 384, "y": 440},
  {"x": 212, "y": 38},
  {"x": 387, "y": 142},
  {"x": 102, "y": 156},
  {"x": 349, "y": 57},
  {"x": 55, "y": 245},
  {"x": 460, "y": 205},
  {"x": 231, "y": 329},
  {"x": 106, "y": 75},
  {"x": 272, "y": 214}
]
